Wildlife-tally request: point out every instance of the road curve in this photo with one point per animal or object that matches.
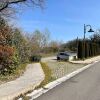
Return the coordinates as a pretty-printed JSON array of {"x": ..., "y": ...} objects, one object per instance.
[{"x": 84, "y": 86}]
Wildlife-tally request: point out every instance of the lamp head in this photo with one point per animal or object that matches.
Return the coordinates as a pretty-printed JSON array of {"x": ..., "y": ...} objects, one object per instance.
[{"x": 91, "y": 30}]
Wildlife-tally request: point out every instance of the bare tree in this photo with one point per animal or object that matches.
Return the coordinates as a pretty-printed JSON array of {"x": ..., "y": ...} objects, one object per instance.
[
  {"x": 7, "y": 8},
  {"x": 39, "y": 40}
]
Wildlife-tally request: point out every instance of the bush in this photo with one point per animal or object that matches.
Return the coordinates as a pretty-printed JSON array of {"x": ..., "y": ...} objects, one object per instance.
[
  {"x": 7, "y": 59},
  {"x": 35, "y": 58}
]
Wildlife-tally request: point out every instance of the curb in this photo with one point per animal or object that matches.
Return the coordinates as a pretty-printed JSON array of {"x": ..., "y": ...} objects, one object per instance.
[{"x": 51, "y": 85}]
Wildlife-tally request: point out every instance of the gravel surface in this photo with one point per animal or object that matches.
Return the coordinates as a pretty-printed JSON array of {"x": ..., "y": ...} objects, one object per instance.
[{"x": 59, "y": 69}]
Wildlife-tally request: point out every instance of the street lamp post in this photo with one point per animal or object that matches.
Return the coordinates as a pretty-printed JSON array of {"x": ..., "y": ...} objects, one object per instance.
[{"x": 85, "y": 29}]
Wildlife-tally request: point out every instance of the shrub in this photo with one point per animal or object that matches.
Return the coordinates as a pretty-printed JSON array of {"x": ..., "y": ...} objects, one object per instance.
[
  {"x": 7, "y": 59},
  {"x": 35, "y": 58}
]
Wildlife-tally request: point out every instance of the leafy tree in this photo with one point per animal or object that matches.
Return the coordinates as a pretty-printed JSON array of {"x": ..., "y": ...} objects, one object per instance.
[
  {"x": 21, "y": 45},
  {"x": 8, "y": 59},
  {"x": 5, "y": 33},
  {"x": 6, "y": 55}
]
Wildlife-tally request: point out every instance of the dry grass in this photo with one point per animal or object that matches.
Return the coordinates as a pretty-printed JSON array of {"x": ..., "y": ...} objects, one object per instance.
[
  {"x": 48, "y": 75},
  {"x": 60, "y": 69}
]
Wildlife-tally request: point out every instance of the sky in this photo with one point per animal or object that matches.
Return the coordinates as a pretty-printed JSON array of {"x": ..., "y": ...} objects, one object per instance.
[{"x": 63, "y": 18}]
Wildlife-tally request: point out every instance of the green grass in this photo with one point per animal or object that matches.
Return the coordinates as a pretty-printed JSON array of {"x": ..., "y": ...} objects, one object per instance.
[{"x": 18, "y": 72}]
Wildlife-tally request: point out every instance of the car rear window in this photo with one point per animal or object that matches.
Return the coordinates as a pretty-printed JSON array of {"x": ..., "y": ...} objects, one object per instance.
[{"x": 62, "y": 54}]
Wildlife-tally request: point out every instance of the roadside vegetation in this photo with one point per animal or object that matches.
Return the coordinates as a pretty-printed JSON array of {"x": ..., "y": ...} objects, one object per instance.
[
  {"x": 48, "y": 74},
  {"x": 16, "y": 73},
  {"x": 17, "y": 49}
]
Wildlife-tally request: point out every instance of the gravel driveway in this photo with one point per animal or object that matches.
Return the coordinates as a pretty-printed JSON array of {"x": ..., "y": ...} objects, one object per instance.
[{"x": 60, "y": 68}]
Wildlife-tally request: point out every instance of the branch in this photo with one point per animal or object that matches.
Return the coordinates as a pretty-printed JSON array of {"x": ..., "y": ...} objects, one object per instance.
[{"x": 5, "y": 4}]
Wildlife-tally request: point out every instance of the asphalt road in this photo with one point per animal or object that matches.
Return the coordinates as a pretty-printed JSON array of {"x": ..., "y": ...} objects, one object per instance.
[{"x": 84, "y": 86}]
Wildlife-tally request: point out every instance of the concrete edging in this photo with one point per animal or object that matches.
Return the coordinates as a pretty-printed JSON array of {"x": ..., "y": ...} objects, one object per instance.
[{"x": 51, "y": 85}]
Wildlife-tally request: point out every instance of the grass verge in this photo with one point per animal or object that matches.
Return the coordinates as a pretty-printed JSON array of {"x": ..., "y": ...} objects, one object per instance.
[{"x": 48, "y": 75}]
